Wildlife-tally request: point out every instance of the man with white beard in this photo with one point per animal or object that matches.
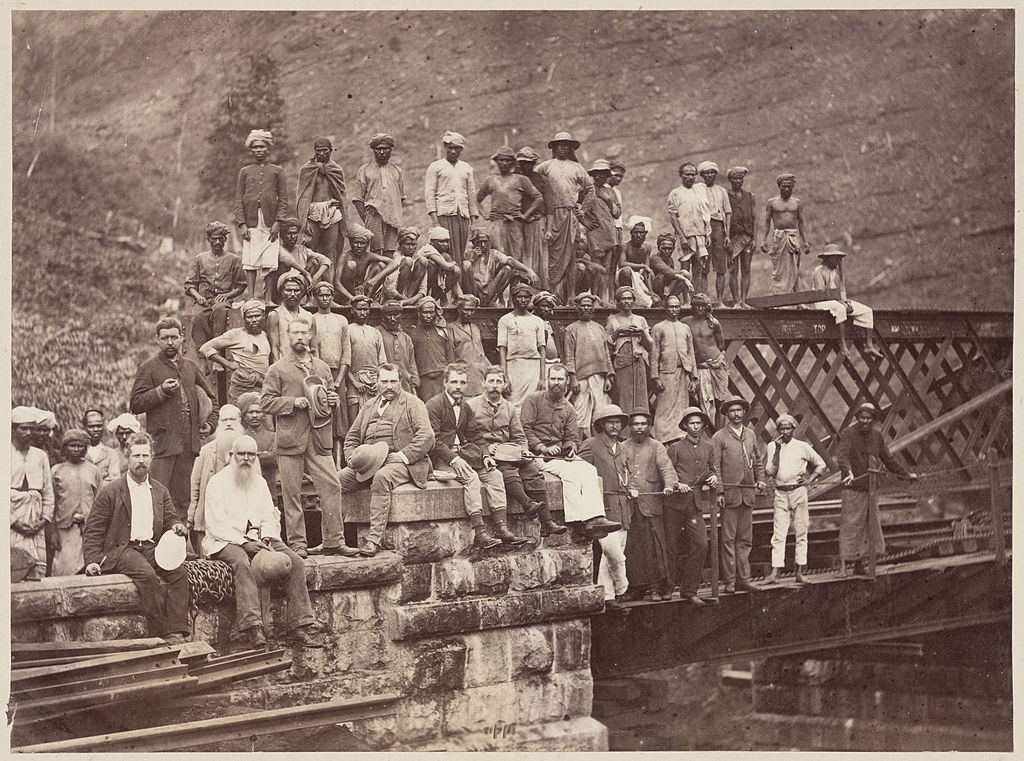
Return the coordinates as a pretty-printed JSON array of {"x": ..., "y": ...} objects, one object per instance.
[
  {"x": 213, "y": 456},
  {"x": 241, "y": 522}
]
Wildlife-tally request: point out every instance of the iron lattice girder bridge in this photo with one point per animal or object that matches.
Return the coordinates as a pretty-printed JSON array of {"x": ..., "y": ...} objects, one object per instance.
[{"x": 934, "y": 368}]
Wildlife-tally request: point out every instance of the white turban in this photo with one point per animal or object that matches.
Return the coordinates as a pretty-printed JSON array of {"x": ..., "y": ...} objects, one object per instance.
[
  {"x": 24, "y": 415},
  {"x": 706, "y": 165},
  {"x": 125, "y": 420},
  {"x": 47, "y": 418},
  {"x": 438, "y": 233},
  {"x": 259, "y": 134},
  {"x": 453, "y": 138},
  {"x": 646, "y": 222}
]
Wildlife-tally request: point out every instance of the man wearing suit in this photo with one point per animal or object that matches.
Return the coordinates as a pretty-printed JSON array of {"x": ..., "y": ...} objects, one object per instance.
[
  {"x": 305, "y": 439},
  {"x": 458, "y": 447},
  {"x": 165, "y": 389},
  {"x": 397, "y": 419},
  {"x": 128, "y": 517}
]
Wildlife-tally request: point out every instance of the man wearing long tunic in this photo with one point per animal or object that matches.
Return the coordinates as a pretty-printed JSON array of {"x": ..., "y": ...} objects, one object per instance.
[
  {"x": 432, "y": 349},
  {"x": 588, "y": 362},
  {"x": 398, "y": 345},
  {"x": 673, "y": 371},
  {"x": 450, "y": 192},
  {"x": 75, "y": 484},
  {"x": 522, "y": 347},
  {"x": 380, "y": 194},
  {"x": 651, "y": 478},
  {"x": 468, "y": 345},
  {"x": 784, "y": 218},
  {"x": 709, "y": 354},
  {"x": 567, "y": 190},
  {"x": 362, "y": 352},
  {"x": 535, "y": 247},
  {"x": 630, "y": 339},
  {"x": 321, "y": 201},
  {"x": 690, "y": 213},
  {"x": 599, "y": 217},
  {"x": 261, "y": 203},
  {"x": 513, "y": 200},
  {"x": 31, "y": 492},
  {"x": 859, "y": 446}
]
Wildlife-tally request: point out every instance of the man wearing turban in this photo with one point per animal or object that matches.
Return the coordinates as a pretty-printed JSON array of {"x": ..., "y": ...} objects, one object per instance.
[
  {"x": 720, "y": 220},
  {"x": 214, "y": 280},
  {"x": 630, "y": 338},
  {"x": 321, "y": 201},
  {"x": 689, "y": 211},
  {"x": 535, "y": 248},
  {"x": 450, "y": 193},
  {"x": 784, "y": 214},
  {"x": 380, "y": 194},
  {"x": 75, "y": 484},
  {"x": 741, "y": 236},
  {"x": 513, "y": 200},
  {"x": 294, "y": 256},
  {"x": 360, "y": 271},
  {"x": 261, "y": 202},
  {"x": 408, "y": 283},
  {"x": 31, "y": 491},
  {"x": 362, "y": 352},
  {"x": 244, "y": 352}
]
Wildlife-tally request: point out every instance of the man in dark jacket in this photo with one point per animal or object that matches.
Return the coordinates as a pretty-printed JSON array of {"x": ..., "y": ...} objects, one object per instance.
[
  {"x": 127, "y": 519},
  {"x": 165, "y": 389}
]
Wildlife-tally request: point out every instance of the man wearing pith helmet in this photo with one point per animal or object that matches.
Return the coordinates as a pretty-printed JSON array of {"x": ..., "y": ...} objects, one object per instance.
[{"x": 692, "y": 458}]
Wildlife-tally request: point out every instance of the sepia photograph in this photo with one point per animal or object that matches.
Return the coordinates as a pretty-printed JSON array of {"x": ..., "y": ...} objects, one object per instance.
[{"x": 511, "y": 380}]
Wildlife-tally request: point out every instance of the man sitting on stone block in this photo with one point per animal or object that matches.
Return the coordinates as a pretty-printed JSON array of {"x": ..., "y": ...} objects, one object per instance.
[
  {"x": 502, "y": 437},
  {"x": 549, "y": 422},
  {"x": 457, "y": 446},
  {"x": 386, "y": 446},
  {"x": 241, "y": 523}
]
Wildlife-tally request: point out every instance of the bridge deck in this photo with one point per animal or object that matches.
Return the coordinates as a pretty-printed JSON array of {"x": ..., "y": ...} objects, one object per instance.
[{"x": 905, "y": 599}]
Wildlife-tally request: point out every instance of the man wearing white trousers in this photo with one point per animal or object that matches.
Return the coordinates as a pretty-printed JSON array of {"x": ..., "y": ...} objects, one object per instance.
[
  {"x": 549, "y": 422},
  {"x": 794, "y": 465}
]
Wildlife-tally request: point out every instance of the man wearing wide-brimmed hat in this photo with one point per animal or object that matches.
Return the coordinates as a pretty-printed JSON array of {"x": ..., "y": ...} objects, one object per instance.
[
  {"x": 387, "y": 445},
  {"x": 304, "y": 439},
  {"x": 604, "y": 451},
  {"x": 450, "y": 192},
  {"x": 794, "y": 465},
  {"x": 379, "y": 195},
  {"x": 828, "y": 275},
  {"x": 513, "y": 200},
  {"x": 567, "y": 190},
  {"x": 861, "y": 446},
  {"x": 692, "y": 458},
  {"x": 739, "y": 461}
]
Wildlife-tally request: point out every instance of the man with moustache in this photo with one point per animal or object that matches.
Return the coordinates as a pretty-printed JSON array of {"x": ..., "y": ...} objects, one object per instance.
[
  {"x": 387, "y": 445},
  {"x": 214, "y": 280},
  {"x": 127, "y": 519},
  {"x": 457, "y": 446},
  {"x": 212, "y": 458},
  {"x": 244, "y": 351},
  {"x": 241, "y": 522},
  {"x": 380, "y": 194},
  {"x": 165, "y": 389},
  {"x": 709, "y": 355},
  {"x": 498, "y": 424},
  {"x": 552, "y": 434},
  {"x": 320, "y": 203},
  {"x": 398, "y": 345},
  {"x": 304, "y": 440},
  {"x": 291, "y": 286}
]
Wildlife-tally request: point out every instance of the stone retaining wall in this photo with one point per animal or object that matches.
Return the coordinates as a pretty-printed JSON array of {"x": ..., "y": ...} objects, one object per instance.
[{"x": 487, "y": 651}]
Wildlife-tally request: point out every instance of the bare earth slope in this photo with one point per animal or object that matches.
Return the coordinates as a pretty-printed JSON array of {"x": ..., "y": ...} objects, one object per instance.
[{"x": 899, "y": 126}]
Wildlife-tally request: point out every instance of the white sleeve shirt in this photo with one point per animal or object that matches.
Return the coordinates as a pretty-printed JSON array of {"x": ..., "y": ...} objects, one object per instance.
[
  {"x": 794, "y": 460},
  {"x": 142, "y": 509}
]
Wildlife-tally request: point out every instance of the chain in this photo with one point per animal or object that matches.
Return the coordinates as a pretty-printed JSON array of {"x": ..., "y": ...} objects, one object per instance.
[{"x": 209, "y": 581}]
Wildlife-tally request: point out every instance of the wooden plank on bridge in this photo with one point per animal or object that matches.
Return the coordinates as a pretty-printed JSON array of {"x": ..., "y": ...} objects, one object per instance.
[{"x": 791, "y": 299}]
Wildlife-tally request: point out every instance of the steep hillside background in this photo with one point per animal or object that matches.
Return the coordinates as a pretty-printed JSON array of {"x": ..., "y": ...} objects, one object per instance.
[{"x": 898, "y": 124}]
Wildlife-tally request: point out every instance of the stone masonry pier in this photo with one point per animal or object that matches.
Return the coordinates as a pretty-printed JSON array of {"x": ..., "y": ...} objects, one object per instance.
[{"x": 486, "y": 651}]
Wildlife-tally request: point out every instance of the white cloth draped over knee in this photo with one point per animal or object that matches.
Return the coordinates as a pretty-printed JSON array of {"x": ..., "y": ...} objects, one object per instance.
[
  {"x": 581, "y": 488},
  {"x": 862, "y": 315}
]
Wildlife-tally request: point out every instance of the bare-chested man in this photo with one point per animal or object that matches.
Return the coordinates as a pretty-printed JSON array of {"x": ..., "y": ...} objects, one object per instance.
[
  {"x": 709, "y": 354},
  {"x": 360, "y": 271},
  {"x": 784, "y": 214}
]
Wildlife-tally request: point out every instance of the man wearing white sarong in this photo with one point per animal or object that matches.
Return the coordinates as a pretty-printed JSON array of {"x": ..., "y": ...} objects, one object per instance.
[
  {"x": 31, "y": 491},
  {"x": 673, "y": 371},
  {"x": 588, "y": 363},
  {"x": 522, "y": 346}
]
